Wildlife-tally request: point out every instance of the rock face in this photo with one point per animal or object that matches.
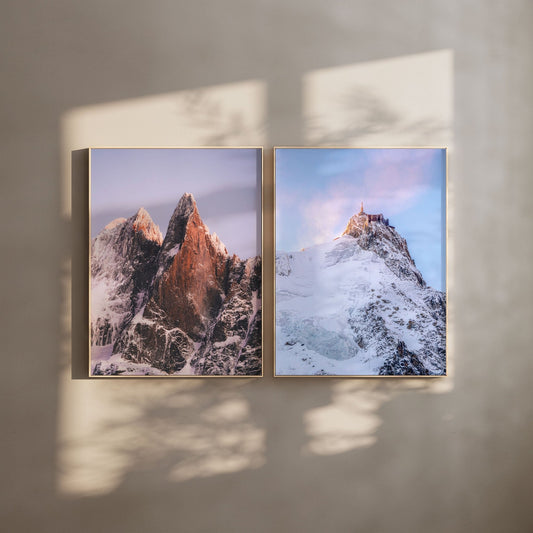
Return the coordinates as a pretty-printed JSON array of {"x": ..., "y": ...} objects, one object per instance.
[
  {"x": 201, "y": 311},
  {"x": 358, "y": 306},
  {"x": 373, "y": 233},
  {"x": 234, "y": 338},
  {"x": 403, "y": 363},
  {"x": 194, "y": 281},
  {"x": 123, "y": 263}
]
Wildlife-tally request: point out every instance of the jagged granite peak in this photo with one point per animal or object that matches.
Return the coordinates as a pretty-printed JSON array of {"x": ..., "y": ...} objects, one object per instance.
[
  {"x": 373, "y": 232},
  {"x": 358, "y": 306},
  {"x": 203, "y": 312},
  {"x": 115, "y": 223},
  {"x": 177, "y": 224},
  {"x": 123, "y": 262},
  {"x": 191, "y": 287},
  {"x": 185, "y": 219},
  {"x": 142, "y": 222},
  {"x": 137, "y": 234}
]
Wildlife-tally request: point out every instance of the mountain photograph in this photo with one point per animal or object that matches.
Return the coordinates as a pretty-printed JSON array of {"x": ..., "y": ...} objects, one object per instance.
[
  {"x": 359, "y": 291},
  {"x": 178, "y": 303}
]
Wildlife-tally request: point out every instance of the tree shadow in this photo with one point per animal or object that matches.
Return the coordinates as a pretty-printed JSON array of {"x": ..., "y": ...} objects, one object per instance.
[
  {"x": 219, "y": 455},
  {"x": 188, "y": 441},
  {"x": 438, "y": 462},
  {"x": 364, "y": 115}
]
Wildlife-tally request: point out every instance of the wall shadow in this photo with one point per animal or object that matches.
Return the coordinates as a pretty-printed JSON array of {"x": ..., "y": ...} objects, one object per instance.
[
  {"x": 222, "y": 429},
  {"x": 330, "y": 455},
  {"x": 79, "y": 287}
]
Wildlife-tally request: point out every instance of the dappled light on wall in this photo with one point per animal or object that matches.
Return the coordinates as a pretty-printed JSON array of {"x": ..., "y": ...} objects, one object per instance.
[
  {"x": 229, "y": 440},
  {"x": 350, "y": 421},
  {"x": 220, "y": 115},
  {"x": 115, "y": 434},
  {"x": 402, "y": 101},
  {"x": 232, "y": 114},
  {"x": 118, "y": 434},
  {"x": 127, "y": 433}
]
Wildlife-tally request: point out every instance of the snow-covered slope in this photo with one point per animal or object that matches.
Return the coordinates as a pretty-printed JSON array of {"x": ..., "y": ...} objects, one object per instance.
[{"x": 357, "y": 306}]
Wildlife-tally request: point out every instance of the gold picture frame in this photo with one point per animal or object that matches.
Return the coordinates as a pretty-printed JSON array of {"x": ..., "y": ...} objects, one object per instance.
[
  {"x": 444, "y": 266},
  {"x": 224, "y": 270}
]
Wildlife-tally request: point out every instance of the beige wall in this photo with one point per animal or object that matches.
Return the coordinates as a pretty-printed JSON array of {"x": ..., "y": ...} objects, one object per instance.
[{"x": 267, "y": 455}]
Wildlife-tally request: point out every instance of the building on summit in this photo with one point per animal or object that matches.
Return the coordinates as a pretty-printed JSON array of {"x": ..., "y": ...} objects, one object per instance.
[{"x": 373, "y": 218}]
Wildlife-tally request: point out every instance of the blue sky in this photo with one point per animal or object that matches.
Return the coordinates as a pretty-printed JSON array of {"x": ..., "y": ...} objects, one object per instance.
[
  {"x": 318, "y": 190},
  {"x": 226, "y": 184}
]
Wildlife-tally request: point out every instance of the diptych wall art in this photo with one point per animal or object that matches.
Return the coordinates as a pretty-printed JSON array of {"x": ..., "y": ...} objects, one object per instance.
[
  {"x": 175, "y": 283},
  {"x": 360, "y": 267},
  {"x": 175, "y": 262}
]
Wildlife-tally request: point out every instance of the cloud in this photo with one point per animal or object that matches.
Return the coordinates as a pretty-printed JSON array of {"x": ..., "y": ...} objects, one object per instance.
[{"x": 387, "y": 181}]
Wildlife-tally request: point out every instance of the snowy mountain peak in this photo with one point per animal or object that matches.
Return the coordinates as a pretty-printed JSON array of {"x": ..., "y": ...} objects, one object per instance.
[
  {"x": 360, "y": 221},
  {"x": 177, "y": 226},
  {"x": 199, "y": 311},
  {"x": 358, "y": 305},
  {"x": 178, "y": 304},
  {"x": 374, "y": 233},
  {"x": 142, "y": 213},
  {"x": 186, "y": 208},
  {"x": 186, "y": 204},
  {"x": 142, "y": 222},
  {"x": 114, "y": 223},
  {"x": 118, "y": 285}
]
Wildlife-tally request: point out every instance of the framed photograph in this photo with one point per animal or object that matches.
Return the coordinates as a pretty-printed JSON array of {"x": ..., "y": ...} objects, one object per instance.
[
  {"x": 175, "y": 261},
  {"x": 360, "y": 267}
]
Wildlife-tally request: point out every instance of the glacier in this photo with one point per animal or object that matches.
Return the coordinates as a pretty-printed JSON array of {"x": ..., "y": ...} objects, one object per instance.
[{"x": 357, "y": 306}]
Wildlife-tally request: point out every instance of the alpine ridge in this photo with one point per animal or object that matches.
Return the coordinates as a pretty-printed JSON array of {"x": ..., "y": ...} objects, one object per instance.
[
  {"x": 358, "y": 306},
  {"x": 123, "y": 262},
  {"x": 198, "y": 311}
]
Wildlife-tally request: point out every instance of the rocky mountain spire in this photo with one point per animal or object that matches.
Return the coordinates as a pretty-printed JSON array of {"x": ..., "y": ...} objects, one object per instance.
[
  {"x": 185, "y": 220},
  {"x": 194, "y": 264},
  {"x": 177, "y": 225},
  {"x": 374, "y": 233},
  {"x": 202, "y": 314},
  {"x": 123, "y": 263},
  {"x": 142, "y": 222}
]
